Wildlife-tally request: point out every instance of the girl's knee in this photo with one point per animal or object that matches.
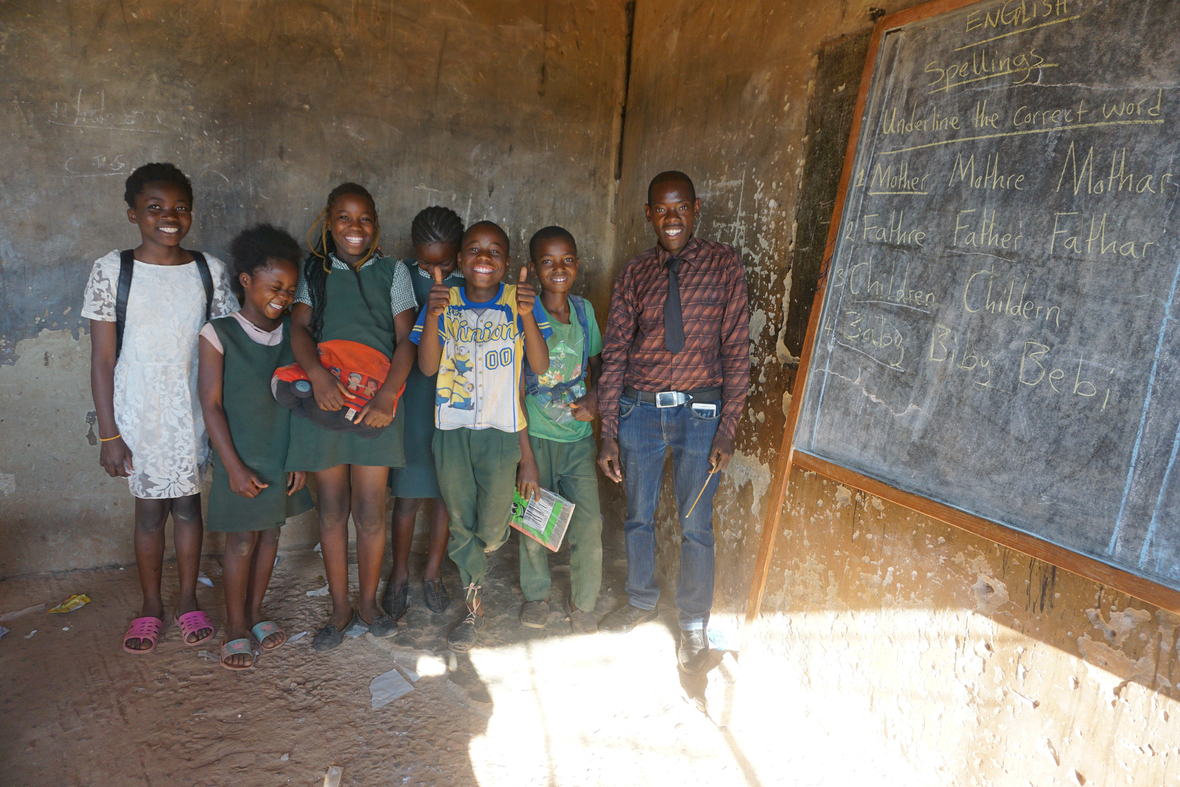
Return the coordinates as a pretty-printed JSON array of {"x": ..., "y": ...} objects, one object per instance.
[
  {"x": 187, "y": 508},
  {"x": 240, "y": 544},
  {"x": 269, "y": 537},
  {"x": 151, "y": 515},
  {"x": 368, "y": 523}
]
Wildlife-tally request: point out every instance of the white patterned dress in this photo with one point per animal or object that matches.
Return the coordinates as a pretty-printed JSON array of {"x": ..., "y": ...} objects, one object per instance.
[{"x": 156, "y": 405}]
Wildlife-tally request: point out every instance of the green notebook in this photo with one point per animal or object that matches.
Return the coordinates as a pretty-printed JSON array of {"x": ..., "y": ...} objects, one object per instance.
[{"x": 544, "y": 519}]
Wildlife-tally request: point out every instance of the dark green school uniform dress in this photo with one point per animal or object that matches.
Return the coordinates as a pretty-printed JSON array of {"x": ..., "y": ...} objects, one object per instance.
[
  {"x": 260, "y": 428},
  {"x": 419, "y": 478},
  {"x": 358, "y": 310}
]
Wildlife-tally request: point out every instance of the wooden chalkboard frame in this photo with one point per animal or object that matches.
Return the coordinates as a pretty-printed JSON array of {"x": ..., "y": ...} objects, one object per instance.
[{"x": 1069, "y": 560}]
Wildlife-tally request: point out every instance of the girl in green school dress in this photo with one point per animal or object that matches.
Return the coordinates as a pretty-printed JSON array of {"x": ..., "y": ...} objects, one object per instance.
[
  {"x": 435, "y": 234},
  {"x": 348, "y": 292},
  {"x": 252, "y": 494}
]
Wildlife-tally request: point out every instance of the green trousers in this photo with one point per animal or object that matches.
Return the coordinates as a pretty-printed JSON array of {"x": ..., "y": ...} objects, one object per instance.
[
  {"x": 569, "y": 470},
  {"x": 477, "y": 476}
]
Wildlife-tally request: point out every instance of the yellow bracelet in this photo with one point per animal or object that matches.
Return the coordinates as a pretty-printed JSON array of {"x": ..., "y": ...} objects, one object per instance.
[{"x": 108, "y": 439}]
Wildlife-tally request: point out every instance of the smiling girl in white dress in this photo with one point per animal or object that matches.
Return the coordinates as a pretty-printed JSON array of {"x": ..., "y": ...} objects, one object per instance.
[{"x": 146, "y": 307}]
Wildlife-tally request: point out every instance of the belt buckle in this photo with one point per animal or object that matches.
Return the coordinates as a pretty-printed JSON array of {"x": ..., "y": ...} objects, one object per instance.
[{"x": 666, "y": 399}]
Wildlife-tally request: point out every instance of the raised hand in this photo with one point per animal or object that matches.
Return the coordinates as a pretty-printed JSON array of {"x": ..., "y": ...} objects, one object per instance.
[
  {"x": 440, "y": 295},
  {"x": 526, "y": 296}
]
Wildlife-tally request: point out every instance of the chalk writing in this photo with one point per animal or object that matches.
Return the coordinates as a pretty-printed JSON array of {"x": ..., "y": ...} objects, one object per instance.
[{"x": 1093, "y": 240}]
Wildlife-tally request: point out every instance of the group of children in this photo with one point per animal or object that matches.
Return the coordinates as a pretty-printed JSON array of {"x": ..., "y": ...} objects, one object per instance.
[{"x": 489, "y": 390}]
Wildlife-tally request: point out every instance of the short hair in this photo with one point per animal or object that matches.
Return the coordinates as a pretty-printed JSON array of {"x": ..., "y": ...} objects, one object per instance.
[
  {"x": 138, "y": 180},
  {"x": 436, "y": 224},
  {"x": 255, "y": 248},
  {"x": 550, "y": 233},
  {"x": 489, "y": 225},
  {"x": 671, "y": 176}
]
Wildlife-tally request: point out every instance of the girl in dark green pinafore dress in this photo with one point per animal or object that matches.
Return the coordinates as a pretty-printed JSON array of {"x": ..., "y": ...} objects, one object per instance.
[
  {"x": 252, "y": 493},
  {"x": 346, "y": 292},
  {"x": 436, "y": 233}
]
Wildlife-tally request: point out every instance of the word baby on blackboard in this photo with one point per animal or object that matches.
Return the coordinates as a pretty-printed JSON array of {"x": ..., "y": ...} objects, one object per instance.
[{"x": 998, "y": 332}]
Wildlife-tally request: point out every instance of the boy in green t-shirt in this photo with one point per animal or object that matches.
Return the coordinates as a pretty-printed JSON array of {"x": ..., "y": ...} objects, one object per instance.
[{"x": 557, "y": 448}]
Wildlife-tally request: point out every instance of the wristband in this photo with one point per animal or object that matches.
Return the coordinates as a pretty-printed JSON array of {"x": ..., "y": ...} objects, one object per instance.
[{"x": 108, "y": 439}]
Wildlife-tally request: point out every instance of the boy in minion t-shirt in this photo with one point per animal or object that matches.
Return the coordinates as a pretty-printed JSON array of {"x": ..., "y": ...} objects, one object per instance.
[{"x": 476, "y": 338}]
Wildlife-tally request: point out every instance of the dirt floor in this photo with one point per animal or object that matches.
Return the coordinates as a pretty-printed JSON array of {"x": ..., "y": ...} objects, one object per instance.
[{"x": 527, "y": 707}]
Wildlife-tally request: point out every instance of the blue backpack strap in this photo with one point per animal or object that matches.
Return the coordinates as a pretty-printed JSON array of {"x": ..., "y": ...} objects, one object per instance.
[
  {"x": 206, "y": 279},
  {"x": 579, "y": 304},
  {"x": 126, "y": 270},
  {"x": 532, "y": 384}
]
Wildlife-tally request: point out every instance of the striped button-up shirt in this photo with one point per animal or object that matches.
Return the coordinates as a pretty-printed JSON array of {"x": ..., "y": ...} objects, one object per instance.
[{"x": 715, "y": 309}]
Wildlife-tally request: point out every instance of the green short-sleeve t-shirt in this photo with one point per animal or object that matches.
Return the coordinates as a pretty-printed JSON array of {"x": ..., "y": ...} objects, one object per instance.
[{"x": 549, "y": 416}]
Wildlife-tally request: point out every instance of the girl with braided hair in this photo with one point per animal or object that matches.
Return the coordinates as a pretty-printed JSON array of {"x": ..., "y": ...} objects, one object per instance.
[
  {"x": 348, "y": 292},
  {"x": 435, "y": 233}
]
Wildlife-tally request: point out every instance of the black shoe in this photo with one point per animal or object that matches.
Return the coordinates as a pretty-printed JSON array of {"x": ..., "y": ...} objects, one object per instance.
[
  {"x": 435, "y": 593},
  {"x": 330, "y": 637},
  {"x": 396, "y": 600},
  {"x": 534, "y": 614},
  {"x": 384, "y": 625},
  {"x": 462, "y": 637},
  {"x": 626, "y": 618},
  {"x": 693, "y": 651}
]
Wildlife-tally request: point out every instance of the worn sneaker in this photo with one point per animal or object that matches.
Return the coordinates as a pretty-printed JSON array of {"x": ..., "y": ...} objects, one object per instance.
[
  {"x": 534, "y": 614},
  {"x": 462, "y": 637},
  {"x": 583, "y": 622},
  {"x": 626, "y": 618},
  {"x": 693, "y": 651}
]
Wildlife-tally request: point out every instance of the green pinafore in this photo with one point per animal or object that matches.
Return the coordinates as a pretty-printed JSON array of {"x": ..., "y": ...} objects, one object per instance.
[
  {"x": 418, "y": 478},
  {"x": 260, "y": 428},
  {"x": 358, "y": 310}
]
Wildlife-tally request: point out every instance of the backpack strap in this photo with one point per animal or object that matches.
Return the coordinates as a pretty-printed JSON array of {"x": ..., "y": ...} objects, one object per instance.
[
  {"x": 126, "y": 270},
  {"x": 580, "y": 309},
  {"x": 532, "y": 383},
  {"x": 206, "y": 279}
]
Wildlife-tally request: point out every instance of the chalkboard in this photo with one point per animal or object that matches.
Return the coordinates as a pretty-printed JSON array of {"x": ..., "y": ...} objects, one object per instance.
[{"x": 997, "y": 329}]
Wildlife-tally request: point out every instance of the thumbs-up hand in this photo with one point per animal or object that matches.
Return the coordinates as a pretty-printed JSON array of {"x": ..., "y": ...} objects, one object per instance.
[
  {"x": 526, "y": 296},
  {"x": 440, "y": 294}
]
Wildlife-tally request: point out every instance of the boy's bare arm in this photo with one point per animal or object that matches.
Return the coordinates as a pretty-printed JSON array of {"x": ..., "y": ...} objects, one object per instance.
[
  {"x": 210, "y": 383},
  {"x": 329, "y": 392},
  {"x": 585, "y": 407},
  {"x": 114, "y": 456},
  {"x": 429, "y": 345},
  {"x": 528, "y": 476}
]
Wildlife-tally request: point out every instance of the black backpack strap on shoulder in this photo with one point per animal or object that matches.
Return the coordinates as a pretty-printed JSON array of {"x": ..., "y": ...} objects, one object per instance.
[
  {"x": 126, "y": 270},
  {"x": 206, "y": 279}
]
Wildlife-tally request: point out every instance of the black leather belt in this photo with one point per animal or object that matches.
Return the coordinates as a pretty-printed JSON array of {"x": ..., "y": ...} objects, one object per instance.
[{"x": 673, "y": 398}]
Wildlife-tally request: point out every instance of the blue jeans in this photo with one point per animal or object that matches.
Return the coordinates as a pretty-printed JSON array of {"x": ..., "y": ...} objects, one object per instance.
[{"x": 645, "y": 433}]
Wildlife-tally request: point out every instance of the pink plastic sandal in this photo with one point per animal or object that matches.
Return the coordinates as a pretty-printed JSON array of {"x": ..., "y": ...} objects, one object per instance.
[
  {"x": 192, "y": 622},
  {"x": 143, "y": 628}
]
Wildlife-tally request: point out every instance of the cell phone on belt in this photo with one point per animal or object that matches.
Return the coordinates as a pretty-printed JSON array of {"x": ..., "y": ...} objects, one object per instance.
[{"x": 705, "y": 409}]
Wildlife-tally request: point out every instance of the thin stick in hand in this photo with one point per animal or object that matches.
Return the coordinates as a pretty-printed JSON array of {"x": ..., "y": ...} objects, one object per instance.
[{"x": 694, "y": 503}]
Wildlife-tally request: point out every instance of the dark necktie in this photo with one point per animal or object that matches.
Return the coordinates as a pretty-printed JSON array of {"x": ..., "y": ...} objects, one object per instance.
[{"x": 673, "y": 319}]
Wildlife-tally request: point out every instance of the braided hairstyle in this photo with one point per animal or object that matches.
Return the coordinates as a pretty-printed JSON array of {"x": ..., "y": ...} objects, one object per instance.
[
  {"x": 436, "y": 224},
  {"x": 319, "y": 263},
  {"x": 257, "y": 248}
]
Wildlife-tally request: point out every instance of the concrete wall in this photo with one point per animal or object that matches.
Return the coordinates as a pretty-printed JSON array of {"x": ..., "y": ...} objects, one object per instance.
[
  {"x": 502, "y": 110},
  {"x": 892, "y": 648}
]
